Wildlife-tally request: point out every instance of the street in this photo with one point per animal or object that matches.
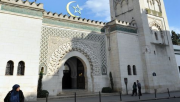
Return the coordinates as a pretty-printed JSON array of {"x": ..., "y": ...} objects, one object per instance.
[
  {"x": 125, "y": 98},
  {"x": 166, "y": 100}
]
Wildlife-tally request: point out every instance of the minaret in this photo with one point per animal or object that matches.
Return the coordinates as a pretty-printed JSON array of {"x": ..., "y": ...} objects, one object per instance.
[{"x": 152, "y": 40}]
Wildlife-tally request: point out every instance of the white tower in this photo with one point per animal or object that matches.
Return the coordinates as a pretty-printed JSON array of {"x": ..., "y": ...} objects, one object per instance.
[{"x": 154, "y": 45}]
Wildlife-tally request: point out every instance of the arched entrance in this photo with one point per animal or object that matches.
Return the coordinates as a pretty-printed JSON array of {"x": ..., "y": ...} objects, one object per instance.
[{"x": 73, "y": 74}]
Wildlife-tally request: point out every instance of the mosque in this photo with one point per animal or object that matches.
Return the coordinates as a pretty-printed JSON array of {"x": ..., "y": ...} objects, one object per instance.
[{"x": 77, "y": 53}]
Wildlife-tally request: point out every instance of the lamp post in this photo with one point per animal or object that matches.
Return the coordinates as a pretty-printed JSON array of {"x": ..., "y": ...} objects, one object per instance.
[
  {"x": 153, "y": 74},
  {"x": 126, "y": 81}
]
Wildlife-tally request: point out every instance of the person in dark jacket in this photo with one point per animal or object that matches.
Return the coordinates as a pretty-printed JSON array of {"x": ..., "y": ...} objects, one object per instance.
[
  {"x": 139, "y": 88},
  {"x": 15, "y": 95},
  {"x": 134, "y": 89}
]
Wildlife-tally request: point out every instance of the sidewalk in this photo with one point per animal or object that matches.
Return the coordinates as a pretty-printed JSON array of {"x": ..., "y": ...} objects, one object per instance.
[{"x": 113, "y": 98}]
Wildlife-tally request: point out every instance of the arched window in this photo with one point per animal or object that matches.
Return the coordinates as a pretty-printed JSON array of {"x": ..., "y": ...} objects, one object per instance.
[
  {"x": 134, "y": 70},
  {"x": 9, "y": 68},
  {"x": 157, "y": 6},
  {"x": 156, "y": 36},
  {"x": 21, "y": 68},
  {"x": 129, "y": 70}
]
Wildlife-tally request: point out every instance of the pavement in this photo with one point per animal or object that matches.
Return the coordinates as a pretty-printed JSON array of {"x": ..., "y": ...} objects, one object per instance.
[
  {"x": 162, "y": 97},
  {"x": 165, "y": 100}
]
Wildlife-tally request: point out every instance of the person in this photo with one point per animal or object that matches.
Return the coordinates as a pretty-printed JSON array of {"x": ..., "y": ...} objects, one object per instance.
[
  {"x": 139, "y": 88},
  {"x": 15, "y": 95},
  {"x": 134, "y": 89}
]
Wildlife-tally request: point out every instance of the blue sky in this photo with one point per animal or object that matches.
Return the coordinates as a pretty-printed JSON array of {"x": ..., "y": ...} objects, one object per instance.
[{"x": 99, "y": 10}]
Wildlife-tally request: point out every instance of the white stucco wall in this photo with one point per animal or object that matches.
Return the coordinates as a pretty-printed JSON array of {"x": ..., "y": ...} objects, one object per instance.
[
  {"x": 125, "y": 51},
  {"x": 129, "y": 54},
  {"x": 177, "y": 55},
  {"x": 19, "y": 41}
]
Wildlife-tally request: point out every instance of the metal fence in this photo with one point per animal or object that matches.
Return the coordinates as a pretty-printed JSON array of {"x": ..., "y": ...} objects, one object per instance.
[{"x": 121, "y": 96}]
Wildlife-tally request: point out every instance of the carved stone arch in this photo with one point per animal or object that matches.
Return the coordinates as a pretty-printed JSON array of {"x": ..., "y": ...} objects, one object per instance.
[
  {"x": 58, "y": 54},
  {"x": 160, "y": 28},
  {"x": 133, "y": 22},
  {"x": 156, "y": 24},
  {"x": 157, "y": 5},
  {"x": 116, "y": 2},
  {"x": 124, "y": 1},
  {"x": 153, "y": 1},
  {"x": 158, "y": 1}
]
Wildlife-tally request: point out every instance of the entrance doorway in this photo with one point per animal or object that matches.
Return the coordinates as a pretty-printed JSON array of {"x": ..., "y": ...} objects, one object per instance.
[{"x": 73, "y": 74}]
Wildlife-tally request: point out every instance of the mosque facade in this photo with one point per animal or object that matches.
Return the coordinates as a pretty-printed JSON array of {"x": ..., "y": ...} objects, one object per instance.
[{"x": 77, "y": 53}]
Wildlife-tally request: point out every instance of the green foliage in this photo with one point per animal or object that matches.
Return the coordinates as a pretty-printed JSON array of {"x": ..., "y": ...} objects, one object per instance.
[
  {"x": 43, "y": 93},
  {"x": 175, "y": 38},
  {"x": 111, "y": 81},
  {"x": 107, "y": 90}
]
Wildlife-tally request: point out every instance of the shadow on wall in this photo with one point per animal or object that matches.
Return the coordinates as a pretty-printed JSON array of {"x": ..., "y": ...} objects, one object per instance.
[{"x": 88, "y": 49}]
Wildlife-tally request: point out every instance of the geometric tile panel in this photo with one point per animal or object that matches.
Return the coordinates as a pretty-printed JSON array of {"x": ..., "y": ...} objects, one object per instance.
[
  {"x": 75, "y": 45},
  {"x": 48, "y": 32}
]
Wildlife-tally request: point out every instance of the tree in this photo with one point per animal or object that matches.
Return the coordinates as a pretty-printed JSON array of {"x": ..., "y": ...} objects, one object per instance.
[
  {"x": 175, "y": 38},
  {"x": 111, "y": 80}
]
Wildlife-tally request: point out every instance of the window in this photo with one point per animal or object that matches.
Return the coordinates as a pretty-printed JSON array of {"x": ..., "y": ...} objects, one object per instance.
[
  {"x": 129, "y": 70},
  {"x": 156, "y": 36},
  {"x": 157, "y": 6},
  {"x": 9, "y": 68},
  {"x": 21, "y": 68},
  {"x": 134, "y": 70},
  {"x": 179, "y": 69}
]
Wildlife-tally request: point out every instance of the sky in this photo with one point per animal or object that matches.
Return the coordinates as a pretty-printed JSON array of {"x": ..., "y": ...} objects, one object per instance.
[{"x": 99, "y": 10}]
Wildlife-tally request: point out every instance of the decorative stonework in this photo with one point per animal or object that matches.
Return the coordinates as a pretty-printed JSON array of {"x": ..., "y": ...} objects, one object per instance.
[
  {"x": 66, "y": 18},
  {"x": 72, "y": 25},
  {"x": 48, "y": 32},
  {"x": 153, "y": 12},
  {"x": 156, "y": 24},
  {"x": 24, "y": 3},
  {"x": 21, "y": 10},
  {"x": 115, "y": 2},
  {"x": 120, "y": 2},
  {"x": 122, "y": 26},
  {"x": 74, "y": 45}
]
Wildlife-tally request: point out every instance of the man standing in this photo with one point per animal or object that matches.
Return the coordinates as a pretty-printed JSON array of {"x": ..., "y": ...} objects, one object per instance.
[{"x": 139, "y": 88}]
